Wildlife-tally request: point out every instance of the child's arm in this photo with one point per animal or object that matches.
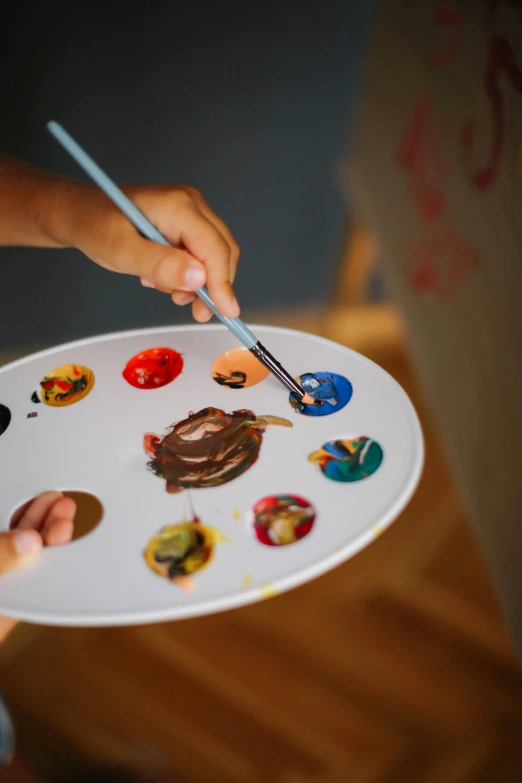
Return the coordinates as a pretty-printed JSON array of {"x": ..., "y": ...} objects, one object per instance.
[{"x": 41, "y": 209}]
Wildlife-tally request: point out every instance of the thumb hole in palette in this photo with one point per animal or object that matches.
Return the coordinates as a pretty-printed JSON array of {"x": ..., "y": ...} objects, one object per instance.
[{"x": 48, "y": 514}]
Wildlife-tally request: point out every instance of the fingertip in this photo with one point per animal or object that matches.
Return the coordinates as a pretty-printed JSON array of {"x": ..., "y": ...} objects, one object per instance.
[
  {"x": 60, "y": 532},
  {"x": 182, "y": 298},
  {"x": 225, "y": 300},
  {"x": 32, "y": 515},
  {"x": 26, "y": 545},
  {"x": 235, "y": 309},
  {"x": 59, "y": 525},
  {"x": 201, "y": 312},
  {"x": 68, "y": 508},
  {"x": 203, "y": 318},
  {"x": 195, "y": 275}
]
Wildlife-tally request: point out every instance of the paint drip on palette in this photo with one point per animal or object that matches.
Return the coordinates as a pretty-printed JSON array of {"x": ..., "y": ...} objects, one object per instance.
[
  {"x": 209, "y": 448},
  {"x": 65, "y": 385},
  {"x": 179, "y": 551}
]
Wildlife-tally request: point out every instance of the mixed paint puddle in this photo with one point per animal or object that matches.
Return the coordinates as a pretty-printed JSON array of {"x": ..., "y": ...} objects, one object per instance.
[
  {"x": 212, "y": 447},
  {"x": 280, "y": 520},
  {"x": 178, "y": 551},
  {"x": 209, "y": 448},
  {"x": 348, "y": 460}
]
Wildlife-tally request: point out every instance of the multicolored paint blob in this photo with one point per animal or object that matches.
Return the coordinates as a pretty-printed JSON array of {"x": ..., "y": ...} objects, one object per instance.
[
  {"x": 348, "y": 460},
  {"x": 330, "y": 390},
  {"x": 280, "y": 520},
  {"x": 238, "y": 369},
  {"x": 5, "y": 418},
  {"x": 65, "y": 385},
  {"x": 178, "y": 551},
  {"x": 209, "y": 448},
  {"x": 153, "y": 368}
]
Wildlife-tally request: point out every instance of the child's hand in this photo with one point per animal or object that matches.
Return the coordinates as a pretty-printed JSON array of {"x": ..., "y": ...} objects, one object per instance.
[
  {"x": 40, "y": 209},
  {"x": 48, "y": 520},
  {"x": 204, "y": 252}
]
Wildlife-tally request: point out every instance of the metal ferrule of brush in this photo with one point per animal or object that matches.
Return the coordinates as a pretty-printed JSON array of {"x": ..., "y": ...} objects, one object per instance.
[{"x": 266, "y": 358}]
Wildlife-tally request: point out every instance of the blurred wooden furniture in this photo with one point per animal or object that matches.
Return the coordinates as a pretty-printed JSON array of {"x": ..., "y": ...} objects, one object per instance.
[
  {"x": 19, "y": 772},
  {"x": 357, "y": 265}
]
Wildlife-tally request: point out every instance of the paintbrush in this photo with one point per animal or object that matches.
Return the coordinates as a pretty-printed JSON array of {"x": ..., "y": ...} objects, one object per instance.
[{"x": 148, "y": 230}]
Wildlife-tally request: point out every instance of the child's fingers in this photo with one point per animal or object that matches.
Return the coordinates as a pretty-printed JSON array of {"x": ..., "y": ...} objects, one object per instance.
[
  {"x": 222, "y": 227},
  {"x": 17, "y": 516},
  {"x": 205, "y": 242},
  {"x": 201, "y": 311},
  {"x": 178, "y": 270},
  {"x": 165, "y": 268},
  {"x": 17, "y": 548},
  {"x": 59, "y": 524},
  {"x": 35, "y": 512},
  {"x": 183, "y": 298}
]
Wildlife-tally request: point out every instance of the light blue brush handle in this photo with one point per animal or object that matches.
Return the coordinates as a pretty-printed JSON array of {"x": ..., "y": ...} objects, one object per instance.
[{"x": 142, "y": 223}]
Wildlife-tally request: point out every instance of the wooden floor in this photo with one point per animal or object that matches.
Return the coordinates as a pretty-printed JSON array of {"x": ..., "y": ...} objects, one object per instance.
[{"x": 394, "y": 668}]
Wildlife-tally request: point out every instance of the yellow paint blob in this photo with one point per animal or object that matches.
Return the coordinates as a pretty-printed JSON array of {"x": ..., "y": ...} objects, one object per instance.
[
  {"x": 66, "y": 385},
  {"x": 238, "y": 369}
]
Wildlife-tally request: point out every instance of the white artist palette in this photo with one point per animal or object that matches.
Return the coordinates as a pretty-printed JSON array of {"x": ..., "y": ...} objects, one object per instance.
[{"x": 96, "y": 446}]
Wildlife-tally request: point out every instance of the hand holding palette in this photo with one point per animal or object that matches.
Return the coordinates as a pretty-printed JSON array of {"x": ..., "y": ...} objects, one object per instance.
[{"x": 217, "y": 489}]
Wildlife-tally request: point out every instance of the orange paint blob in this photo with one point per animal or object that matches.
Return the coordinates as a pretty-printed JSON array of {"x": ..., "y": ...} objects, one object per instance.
[{"x": 238, "y": 369}]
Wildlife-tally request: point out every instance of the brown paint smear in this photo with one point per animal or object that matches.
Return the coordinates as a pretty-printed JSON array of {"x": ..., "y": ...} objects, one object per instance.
[
  {"x": 238, "y": 369},
  {"x": 209, "y": 448}
]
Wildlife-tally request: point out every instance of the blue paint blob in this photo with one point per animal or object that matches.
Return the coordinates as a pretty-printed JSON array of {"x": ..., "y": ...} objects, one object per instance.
[{"x": 333, "y": 391}]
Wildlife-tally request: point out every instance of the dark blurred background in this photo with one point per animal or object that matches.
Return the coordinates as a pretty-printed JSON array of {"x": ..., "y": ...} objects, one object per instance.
[{"x": 252, "y": 103}]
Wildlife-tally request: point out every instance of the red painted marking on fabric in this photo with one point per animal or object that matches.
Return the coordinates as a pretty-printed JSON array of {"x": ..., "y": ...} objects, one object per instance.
[
  {"x": 420, "y": 153},
  {"x": 451, "y": 20},
  {"x": 501, "y": 61},
  {"x": 438, "y": 264}
]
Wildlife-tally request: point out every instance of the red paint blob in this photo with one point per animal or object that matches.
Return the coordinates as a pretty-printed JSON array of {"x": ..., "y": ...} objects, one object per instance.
[{"x": 153, "y": 368}]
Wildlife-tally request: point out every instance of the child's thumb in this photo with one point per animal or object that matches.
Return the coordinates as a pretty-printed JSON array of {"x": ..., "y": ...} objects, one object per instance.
[{"x": 17, "y": 548}]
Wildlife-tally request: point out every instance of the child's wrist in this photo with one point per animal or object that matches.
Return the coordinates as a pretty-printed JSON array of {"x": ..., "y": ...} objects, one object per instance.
[{"x": 60, "y": 213}]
